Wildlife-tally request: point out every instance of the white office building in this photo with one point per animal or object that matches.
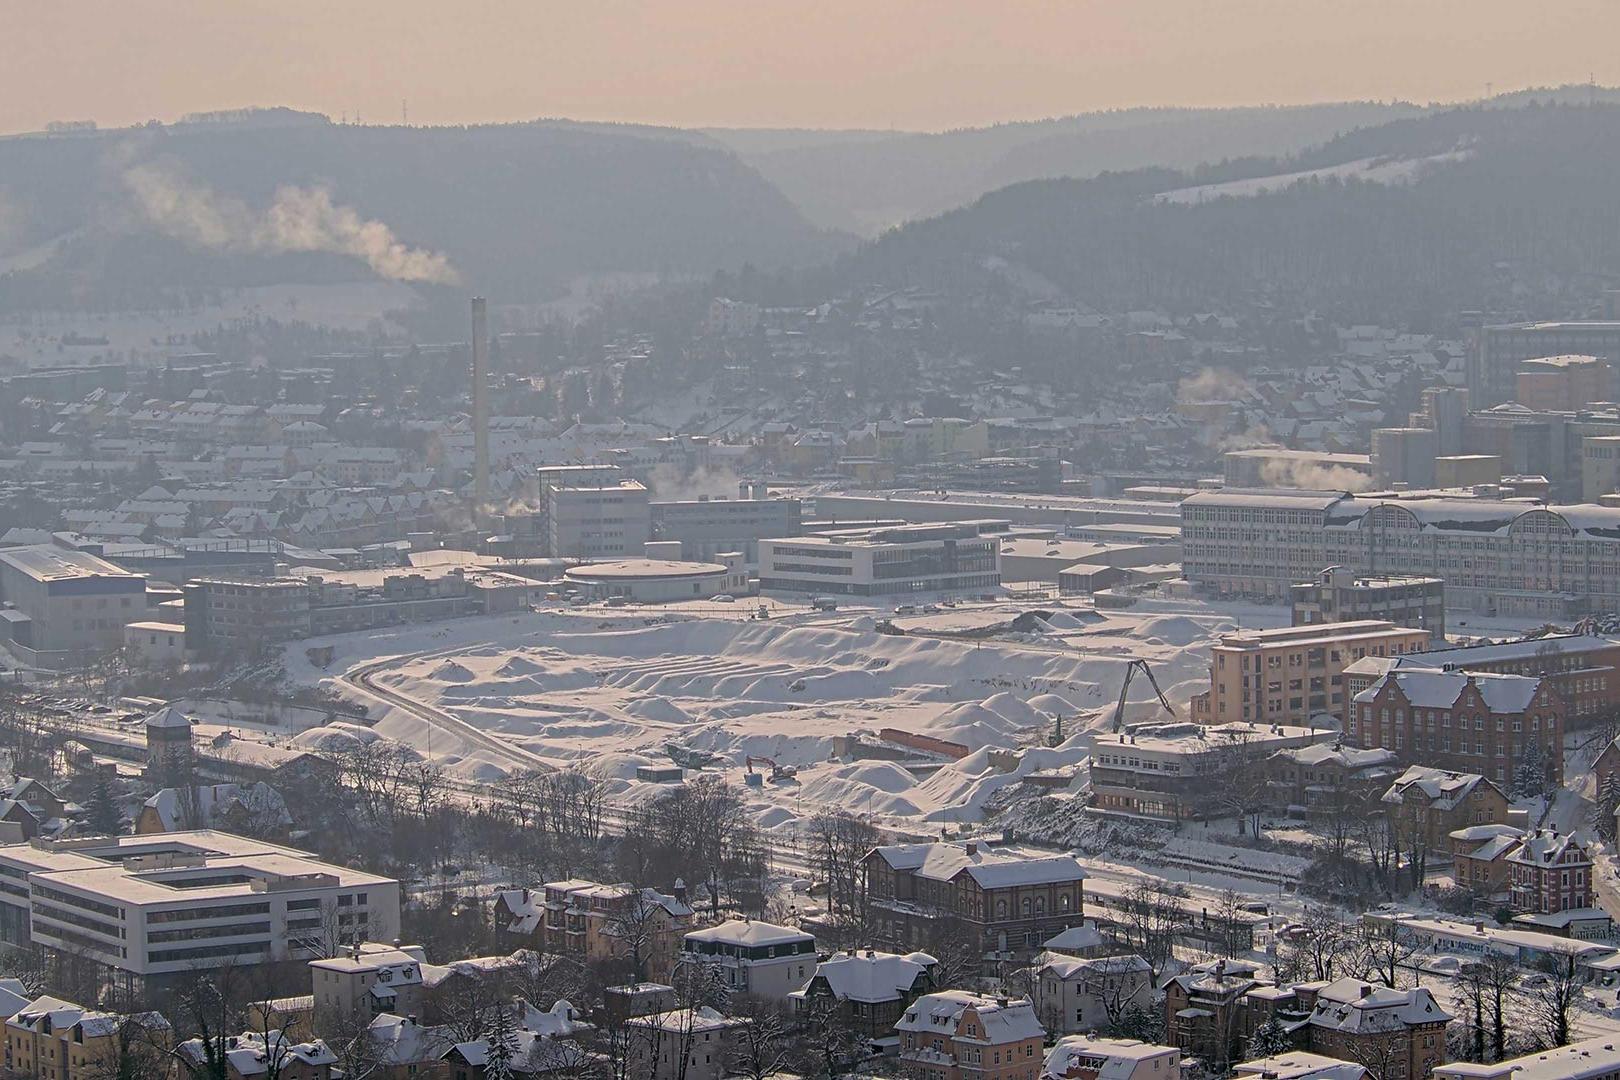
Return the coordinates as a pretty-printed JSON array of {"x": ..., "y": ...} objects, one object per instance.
[
  {"x": 161, "y": 905},
  {"x": 758, "y": 958},
  {"x": 955, "y": 557}
]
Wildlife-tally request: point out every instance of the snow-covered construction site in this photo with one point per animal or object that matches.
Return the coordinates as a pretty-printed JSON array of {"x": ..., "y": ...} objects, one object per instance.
[{"x": 918, "y": 724}]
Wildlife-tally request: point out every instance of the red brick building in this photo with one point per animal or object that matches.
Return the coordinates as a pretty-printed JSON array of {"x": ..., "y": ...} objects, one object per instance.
[
  {"x": 1550, "y": 873},
  {"x": 1462, "y": 721}
]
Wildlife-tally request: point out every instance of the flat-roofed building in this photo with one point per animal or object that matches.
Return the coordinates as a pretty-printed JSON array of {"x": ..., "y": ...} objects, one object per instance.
[
  {"x": 1289, "y": 674},
  {"x": 957, "y": 557},
  {"x": 1497, "y": 556},
  {"x": 1590, "y": 1059},
  {"x": 1566, "y": 383},
  {"x": 65, "y": 601},
  {"x": 1172, "y": 772},
  {"x": 1277, "y": 466},
  {"x": 151, "y": 908},
  {"x": 707, "y": 527},
  {"x": 1341, "y": 595},
  {"x": 1500, "y": 351}
]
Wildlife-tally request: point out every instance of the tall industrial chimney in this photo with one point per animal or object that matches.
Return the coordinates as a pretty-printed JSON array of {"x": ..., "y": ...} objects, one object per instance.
[{"x": 480, "y": 406}]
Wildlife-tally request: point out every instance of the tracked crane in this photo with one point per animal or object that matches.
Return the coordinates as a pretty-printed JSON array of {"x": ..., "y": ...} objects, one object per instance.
[{"x": 1125, "y": 688}]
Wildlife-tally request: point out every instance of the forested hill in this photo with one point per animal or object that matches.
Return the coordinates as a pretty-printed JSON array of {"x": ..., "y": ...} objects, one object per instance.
[
  {"x": 522, "y": 208},
  {"x": 1476, "y": 207}
]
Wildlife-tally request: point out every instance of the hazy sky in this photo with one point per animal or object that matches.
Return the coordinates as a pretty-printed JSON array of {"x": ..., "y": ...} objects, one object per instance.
[{"x": 844, "y": 63}]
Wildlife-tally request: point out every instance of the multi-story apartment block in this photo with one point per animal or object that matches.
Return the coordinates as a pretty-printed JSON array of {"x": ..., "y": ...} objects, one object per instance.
[
  {"x": 1329, "y": 778},
  {"x": 1479, "y": 857},
  {"x": 1090, "y": 1057},
  {"x": 603, "y": 521},
  {"x": 868, "y": 991},
  {"x": 225, "y": 615},
  {"x": 1567, "y": 383},
  {"x": 1582, "y": 668},
  {"x": 682, "y": 1044},
  {"x": 1428, "y": 805},
  {"x": 149, "y": 909},
  {"x": 1463, "y": 721},
  {"x": 1397, "y": 1033},
  {"x": 879, "y": 562},
  {"x": 1074, "y": 995},
  {"x": 1338, "y": 595},
  {"x": 1550, "y": 873},
  {"x": 595, "y": 923},
  {"x": 757, "y": 958},
  {"x": 65, "y": 605},
  {"x": 707, "y": 528},
  {"x": 1500, "y": 352},
  {"x": 52, "y": 1039},
  {"x": 366, "y": 981},
  {"x": 1005, "y": 901},
  {"x": 1291, "y": 674},
  {"x": 1173, "y": 771},
  {"x": 957, "y": 1035},
  {"x": 1495, "y": 556}
]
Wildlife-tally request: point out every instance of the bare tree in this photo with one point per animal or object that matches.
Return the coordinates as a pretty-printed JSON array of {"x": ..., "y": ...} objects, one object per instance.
[
  {"x": 138, "y": 1049},
  {"x": 1481, "y": 996},
  {"x": 837, "y": 845},
  {"x": 1379, "y": 950},
  {"x": 1154, "y": 913},
  {"x": 826, "y": 1041},
  {"x": 762, "y": 1046},
  {"x": 1557, "y": 993},
  {"x": 1325, "y": 941},
  {"x": 958, "y": 950}
]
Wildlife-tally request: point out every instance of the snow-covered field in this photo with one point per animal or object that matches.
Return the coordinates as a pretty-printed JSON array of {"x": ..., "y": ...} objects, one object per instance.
[
  {"x": 608, "y": 691},
  {"x": 1372, "y": 170}
]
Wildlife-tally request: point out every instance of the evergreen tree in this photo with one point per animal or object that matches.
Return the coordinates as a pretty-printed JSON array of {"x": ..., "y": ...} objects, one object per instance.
[
  {"x": 502, "y": 1039},
  {"x": 104, "y": 815},
  {"x": 1530, "y": 775},
  {"x": 1269, "y": 1040}
]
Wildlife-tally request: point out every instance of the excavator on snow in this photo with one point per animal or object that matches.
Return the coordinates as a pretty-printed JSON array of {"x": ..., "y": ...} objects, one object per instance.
[{"x": 779, "y": 774}]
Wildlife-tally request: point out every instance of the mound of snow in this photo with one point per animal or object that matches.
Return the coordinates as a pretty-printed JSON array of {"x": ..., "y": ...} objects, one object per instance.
[
  {"x": 516, "y": 666},
  {"x": 485, "y": 772},
  {"x": 451, "y": 672},
  {"x": 1055, "y": 704},
  {"x": 1014, "y": 709},
  {"x": 1178, "y": 630},
  {"x": 617, "y": 766},
  {"x": 330, "y": 738},
  {"x": 658, "y": 710},
  {"x": 1071, "y": 620}
]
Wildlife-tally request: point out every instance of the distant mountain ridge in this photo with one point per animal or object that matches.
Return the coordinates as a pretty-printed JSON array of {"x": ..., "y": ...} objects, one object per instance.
[
  {"x": 1480, "y": 207},
  {"x": 518, "y": 209}
]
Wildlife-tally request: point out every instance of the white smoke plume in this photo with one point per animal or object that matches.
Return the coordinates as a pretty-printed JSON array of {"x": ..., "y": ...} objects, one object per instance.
[
  {"x": 298, "y": 220},
  {"x": 1314, "y": 477},
  {"x": 669, "y": 481},
  {"x": 1213, "y": 384}
]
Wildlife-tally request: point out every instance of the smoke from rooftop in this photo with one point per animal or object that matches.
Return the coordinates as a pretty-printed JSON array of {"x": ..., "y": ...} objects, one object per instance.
[{"x": 299, "y": 219}]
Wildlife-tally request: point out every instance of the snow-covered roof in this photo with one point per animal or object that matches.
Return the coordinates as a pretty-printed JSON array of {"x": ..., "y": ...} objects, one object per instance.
[
  {"x": 1444, "y": 790},
  {"x": 210, "y": 800},
  {"x": 1068, "y": 968},
  {"x": 1544, "y": 847},
  {"x": 1075, "y": 938},
  {"x": 1103, "y": 1059},
  {"x": 1432, "y": 688},
  {"x": 1356, "y": 1007},
  {"x": 749, "y": 932},
  {"x": 1301, "y": 1065},
  {"x": 168, "y": 717},
  {"x": 871, "y": 976},
  {"x": 1350, "y": 757},
  {"x": 990, "y": 868},
  {"x": 1003, "y": 1021}
]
